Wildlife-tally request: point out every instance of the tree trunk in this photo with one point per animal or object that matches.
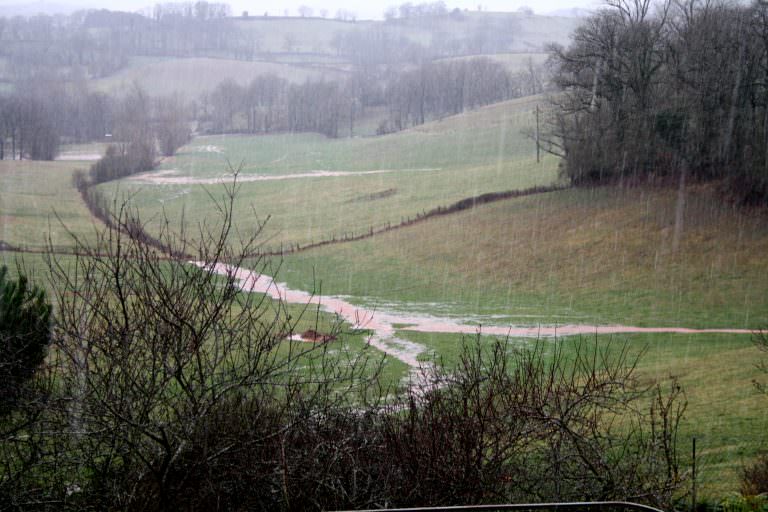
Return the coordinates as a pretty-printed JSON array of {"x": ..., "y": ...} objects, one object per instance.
[
  {"x": 680, "y": 207},
  {"x": 726, "y": 155}
]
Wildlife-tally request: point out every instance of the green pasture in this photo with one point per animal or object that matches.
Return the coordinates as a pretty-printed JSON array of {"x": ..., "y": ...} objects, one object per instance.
[
  {"x": 725, "y": 412},
  {"x": 38, "y": 200},
  {"x": 578, "y": 256},
  {"x": 423, "y": 168}
]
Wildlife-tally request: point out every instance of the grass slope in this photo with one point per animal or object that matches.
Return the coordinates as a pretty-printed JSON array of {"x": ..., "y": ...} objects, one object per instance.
[
  {"x": 32, "y": 195},
  {"x": 603, "y": 256},
  {"x": 477, "y": 152},
  {"x": 194, "y": 76}
]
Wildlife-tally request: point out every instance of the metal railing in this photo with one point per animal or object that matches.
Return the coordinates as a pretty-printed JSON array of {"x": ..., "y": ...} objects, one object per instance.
[{"x": 583, "y": 506}]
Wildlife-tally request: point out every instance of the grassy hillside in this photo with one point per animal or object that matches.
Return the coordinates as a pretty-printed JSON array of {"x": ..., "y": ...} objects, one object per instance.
[
  {"x": 193, "y": 76},
  {"x": 583, "y": 256},
  {"x": 32, "y": 195},
  {"x": 416, "y": 170}
]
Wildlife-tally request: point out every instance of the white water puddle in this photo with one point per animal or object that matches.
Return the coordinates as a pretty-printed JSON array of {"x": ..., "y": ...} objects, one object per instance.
[
  {"x": 206, "y": 149},
  {"x": 382, "y": 323},
  {"x": 170, "y": 176},
  {"x": 73, "y": 156}
]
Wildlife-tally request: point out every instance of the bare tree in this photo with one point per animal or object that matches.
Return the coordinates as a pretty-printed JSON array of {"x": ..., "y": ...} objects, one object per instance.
[
  {"x": 305, "y": 11},
  {"x": 154, "y": 344}
]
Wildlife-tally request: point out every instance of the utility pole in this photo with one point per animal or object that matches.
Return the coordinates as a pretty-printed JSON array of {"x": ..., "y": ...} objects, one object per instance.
[
  {"x": 538, "y": 147},
  {"x": 693, "y": 479}
]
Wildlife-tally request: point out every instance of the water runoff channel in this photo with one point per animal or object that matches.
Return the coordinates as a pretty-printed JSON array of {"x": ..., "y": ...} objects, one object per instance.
[{"x": 382, "y": 323}]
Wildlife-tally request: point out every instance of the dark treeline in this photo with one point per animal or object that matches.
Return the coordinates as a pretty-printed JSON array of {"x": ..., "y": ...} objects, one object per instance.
[
  {"x": 679, "y": 89},
  {"x": 43, "y": 112},
  {"x": 430, "y": 91},
  {"x": 101, "y": 41}
]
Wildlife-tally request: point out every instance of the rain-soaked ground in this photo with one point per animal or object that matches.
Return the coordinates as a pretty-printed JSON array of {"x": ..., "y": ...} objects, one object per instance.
[
  {"x": 384, "y": 323},
  {"x": 170, "y": 176}
]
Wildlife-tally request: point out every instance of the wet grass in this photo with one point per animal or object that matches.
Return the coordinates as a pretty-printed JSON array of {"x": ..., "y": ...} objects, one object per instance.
[
  {"x": 38, "y": 199},
  {"x": 578, "y": 256},
  {"x": 471, "y": 154}
]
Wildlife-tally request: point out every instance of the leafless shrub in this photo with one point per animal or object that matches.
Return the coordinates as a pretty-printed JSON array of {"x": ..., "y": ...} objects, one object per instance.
[
  {"x": 539, "y": 425},
  {"x": 154, "y": 346}
]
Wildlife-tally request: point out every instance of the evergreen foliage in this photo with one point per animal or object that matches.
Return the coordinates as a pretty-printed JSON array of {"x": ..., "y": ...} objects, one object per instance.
[{"x": 25, "y": 332}]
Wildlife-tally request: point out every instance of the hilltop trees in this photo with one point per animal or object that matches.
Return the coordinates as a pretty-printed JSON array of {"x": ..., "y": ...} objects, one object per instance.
[
  {"x": 30, "y": 123},
  {"x": 439, "y": 89},
  {"x": 653, "y": 91}
]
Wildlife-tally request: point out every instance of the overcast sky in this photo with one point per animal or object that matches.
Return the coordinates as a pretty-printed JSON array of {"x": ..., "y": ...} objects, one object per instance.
[{"x": 364, "y": 9}]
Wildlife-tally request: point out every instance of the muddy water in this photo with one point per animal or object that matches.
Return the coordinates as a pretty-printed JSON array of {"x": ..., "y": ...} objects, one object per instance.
[
  {"x": 382, "y": 322},
  {"x": 169, "y": 176}
]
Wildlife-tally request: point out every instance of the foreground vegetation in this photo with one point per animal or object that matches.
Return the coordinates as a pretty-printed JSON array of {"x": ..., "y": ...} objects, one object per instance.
[{"x": 725, "y": 415}]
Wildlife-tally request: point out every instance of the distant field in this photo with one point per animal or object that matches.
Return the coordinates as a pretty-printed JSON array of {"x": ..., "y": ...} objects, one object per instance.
[
  {"x": 579, "y": 256},
  {"x": 194, "y": 76},
  {"x": 38, "y": 199},
  {"x": 422, "y": 168}
]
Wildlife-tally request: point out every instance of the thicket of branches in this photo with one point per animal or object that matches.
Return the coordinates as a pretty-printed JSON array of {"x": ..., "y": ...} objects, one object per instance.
[
  {"x": 171, "y": 388},
  {"x": 667, "y": 89}
]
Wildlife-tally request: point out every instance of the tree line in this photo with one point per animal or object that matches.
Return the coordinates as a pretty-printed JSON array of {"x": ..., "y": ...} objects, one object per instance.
[
  {"x": 430, "y": 91},
  {"x": 102, "y": 41},
  {"x": 668, "y": 90},
  {"x": 43, "y": 112}
]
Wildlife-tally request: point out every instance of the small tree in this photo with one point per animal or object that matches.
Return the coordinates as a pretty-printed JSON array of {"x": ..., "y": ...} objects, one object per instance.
[{"x": 25, "y": 333}]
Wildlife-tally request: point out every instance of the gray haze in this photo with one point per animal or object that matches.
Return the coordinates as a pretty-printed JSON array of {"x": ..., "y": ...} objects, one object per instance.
[{"x": 367, "y": 10}]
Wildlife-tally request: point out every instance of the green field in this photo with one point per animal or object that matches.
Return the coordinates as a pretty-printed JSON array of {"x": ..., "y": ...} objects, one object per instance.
[
  {"x": 38, "y": 199},
  {"x": 433, "y": 165},
  {"x": 579, "y": 256}
]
